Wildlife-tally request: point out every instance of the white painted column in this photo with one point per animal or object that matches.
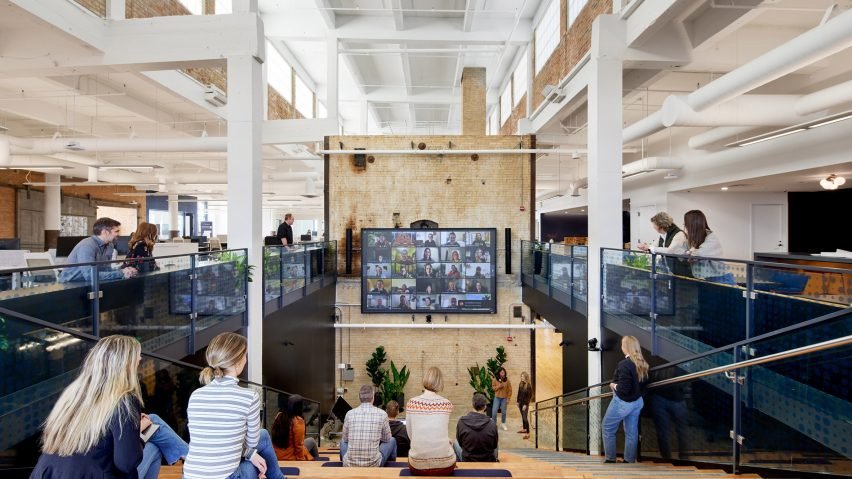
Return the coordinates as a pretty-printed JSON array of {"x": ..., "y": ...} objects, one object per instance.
[
  {"x": 332, "y": 76},
  {"x": 530, "y": 70},
  {"x": 115, "y": 9},
  {"x": 604, "y": 172},
  {"x": 52, "y": 210},
  {"x": 245, "y": 216},
  {"x": 174, "y": 216},
  {"x": 365, "y": 117}
]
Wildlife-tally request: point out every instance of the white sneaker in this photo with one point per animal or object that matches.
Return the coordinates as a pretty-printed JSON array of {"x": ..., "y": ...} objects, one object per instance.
[{"x": 504, "y": 427}]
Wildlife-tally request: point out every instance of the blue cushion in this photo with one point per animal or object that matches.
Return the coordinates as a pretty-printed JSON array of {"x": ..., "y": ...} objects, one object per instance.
[{"x": 470, "y": 473}]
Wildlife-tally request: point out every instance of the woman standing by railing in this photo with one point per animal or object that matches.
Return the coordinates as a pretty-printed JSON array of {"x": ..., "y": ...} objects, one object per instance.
[{"x": 628, "y": 387}]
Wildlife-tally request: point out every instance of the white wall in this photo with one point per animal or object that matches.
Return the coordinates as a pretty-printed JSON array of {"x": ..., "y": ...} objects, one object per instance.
[{"x": 729, "y": 215}]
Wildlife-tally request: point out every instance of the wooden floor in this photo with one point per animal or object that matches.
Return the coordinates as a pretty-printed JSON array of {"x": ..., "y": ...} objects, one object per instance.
[{"x": 522, "y": 463}]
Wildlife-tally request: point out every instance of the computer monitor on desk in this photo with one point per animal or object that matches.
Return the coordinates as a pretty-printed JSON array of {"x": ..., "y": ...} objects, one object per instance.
[
  {"x": 10, "y": 243},
  {"x": 172, "y": 249}
]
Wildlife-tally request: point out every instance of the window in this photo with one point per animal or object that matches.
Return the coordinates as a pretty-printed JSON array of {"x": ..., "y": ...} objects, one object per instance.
[
  {"x": 574, "y": 9},
  {"x": 195, "y": 7},
  {"x": 519, "y": 79},
  {"x": 322, "y": 112},
  {"x": 279, "y": 73},
  {"x": 547, "y": 35},
  {"x": 493, "y": 122},
  {"x": 224, "y": 7},
  {"x": 505, "y": 104},
  {"x": 304, "y": 98}
]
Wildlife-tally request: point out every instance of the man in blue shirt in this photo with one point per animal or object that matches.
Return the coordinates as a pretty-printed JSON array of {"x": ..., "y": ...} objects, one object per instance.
[{"x": 96, "y": 248}]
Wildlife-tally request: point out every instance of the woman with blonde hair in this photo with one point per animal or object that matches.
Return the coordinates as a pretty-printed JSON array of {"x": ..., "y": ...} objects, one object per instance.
[
  {"x": 141, "y": 246},
  {"x": 525, "y": 396},
  {"x": 427, "y": 420},
  {"x": 93, "y": 430},
  {"x": 628, "y": 386},
  {"x": 224, "y": 417}
]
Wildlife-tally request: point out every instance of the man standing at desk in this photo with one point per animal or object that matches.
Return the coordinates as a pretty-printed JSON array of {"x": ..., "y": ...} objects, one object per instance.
[
  {"x": 96, "y": 248},
  {"x": 285, "y": 230}
]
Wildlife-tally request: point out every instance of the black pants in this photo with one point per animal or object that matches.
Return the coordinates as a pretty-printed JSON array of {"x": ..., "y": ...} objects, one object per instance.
[{"x": 525, "y": 409}]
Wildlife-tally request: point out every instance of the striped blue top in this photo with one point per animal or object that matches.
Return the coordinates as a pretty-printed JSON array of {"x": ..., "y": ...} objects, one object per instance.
[{"x": 224, "y": 428}]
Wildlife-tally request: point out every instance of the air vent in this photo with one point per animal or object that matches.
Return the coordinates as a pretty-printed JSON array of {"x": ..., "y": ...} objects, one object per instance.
[{"x": 73, "y": 146}]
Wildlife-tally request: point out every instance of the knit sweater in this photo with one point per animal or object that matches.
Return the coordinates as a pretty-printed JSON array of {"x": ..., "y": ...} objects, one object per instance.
[{"x": 427, "y": 422}]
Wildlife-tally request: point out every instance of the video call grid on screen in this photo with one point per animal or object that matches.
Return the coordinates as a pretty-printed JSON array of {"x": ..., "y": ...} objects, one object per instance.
[{"x": 449, "y": 270}]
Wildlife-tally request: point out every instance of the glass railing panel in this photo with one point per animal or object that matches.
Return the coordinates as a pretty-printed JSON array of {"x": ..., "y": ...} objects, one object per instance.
[
  {"x": 276, "y": 401},
  {"x": 330, "y": 261},
  {"x": 580, "y": 251},
  {"x": 293, "y": 264},
  {"x": 44, "y": 293},
  {"x": 627, "y": 286},
  {"x": 220, "y": 287},
  {"x": 688, "y": 420},
  {"x": 541, "y": 268},
  {"x": 561, "y": 281},
  {"x": 796, "y": 413},
  {"x": 696, "y": 311},
  {"x": 581, "y": 285},
  {"x": 154, "y": 306},
  {"x": 574, "y": 422},
  {"x": 272, "y": 273},
  {"x": 786, "y": 296},
  {"x": 545, "y": 424}
]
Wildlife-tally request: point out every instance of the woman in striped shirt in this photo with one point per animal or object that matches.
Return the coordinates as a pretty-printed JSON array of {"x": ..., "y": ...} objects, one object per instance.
[{"x": 226, "y": 440}]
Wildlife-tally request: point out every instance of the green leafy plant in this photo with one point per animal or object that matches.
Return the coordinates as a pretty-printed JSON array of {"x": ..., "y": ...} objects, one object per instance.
[
  {"x": 480, "y": 377},
  {"x": 394, "y": 383},
  {"x": 375, "y": 370},
  {"x": 641, "y": 261},
  {"x": 240, "y": 262}
]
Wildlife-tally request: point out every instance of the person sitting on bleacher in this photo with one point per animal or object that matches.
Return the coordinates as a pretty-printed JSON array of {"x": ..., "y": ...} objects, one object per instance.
[
  {"x": 398, "y": 429},
  {"x": 367, "y": 439},
  {"x": 288, "y": 433},
  {"x": 476, "y": 434}
]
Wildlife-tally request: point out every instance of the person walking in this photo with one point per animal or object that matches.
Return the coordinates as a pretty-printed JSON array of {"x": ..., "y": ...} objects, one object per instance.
[{"x": 628, "y": 384}]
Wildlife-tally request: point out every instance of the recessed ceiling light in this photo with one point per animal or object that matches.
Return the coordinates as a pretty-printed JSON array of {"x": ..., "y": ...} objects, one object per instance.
[{"x": 724, "y": 188}]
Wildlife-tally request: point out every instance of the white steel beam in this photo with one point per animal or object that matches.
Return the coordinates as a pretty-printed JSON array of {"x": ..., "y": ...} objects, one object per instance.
[{"x": 298, "y": 131}]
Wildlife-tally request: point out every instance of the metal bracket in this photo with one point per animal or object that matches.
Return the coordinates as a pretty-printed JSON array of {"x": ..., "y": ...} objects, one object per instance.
[
  {"x": 734, "y": 377},
  {"x": 193, "y": 315},
  {"x": 749, "y": 295},
  {"x": 652, "y": 315},
  {"x": 91, "y": 295},
  {"x": 193, "y": 276},
  {"x": 740, "y": 439}
]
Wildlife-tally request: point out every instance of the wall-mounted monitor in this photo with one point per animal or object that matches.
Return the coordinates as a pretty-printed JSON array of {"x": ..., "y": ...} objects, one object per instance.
[{"x": 449, "y": 270}]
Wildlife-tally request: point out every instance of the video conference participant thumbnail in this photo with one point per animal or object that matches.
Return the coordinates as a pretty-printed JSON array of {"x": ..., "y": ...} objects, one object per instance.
[
  {"x": 427, "y": 270},
  {"x": 377, "y": 301},
  {"x": 403, "y": 302},
  {"x": 426, "y": 238}
]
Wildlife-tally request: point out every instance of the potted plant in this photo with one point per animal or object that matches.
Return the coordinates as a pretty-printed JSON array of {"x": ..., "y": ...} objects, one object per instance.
[
  {"x": 480, "y": 377},
  {"x": 393, "y": 387},
  {"x": 377, "y": 373}
]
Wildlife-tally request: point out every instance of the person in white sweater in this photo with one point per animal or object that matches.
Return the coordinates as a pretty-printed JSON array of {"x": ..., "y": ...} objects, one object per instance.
[
  {"x": 703, "y": 242},
  {"x": 427, "y": 422}
]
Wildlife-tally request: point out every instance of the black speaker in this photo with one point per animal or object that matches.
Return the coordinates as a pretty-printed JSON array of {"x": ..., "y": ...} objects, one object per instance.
[
  {"x": 360, "y": 159},
  {"x": 508, "y": 250},
  {"x": 348, "y": 250}
]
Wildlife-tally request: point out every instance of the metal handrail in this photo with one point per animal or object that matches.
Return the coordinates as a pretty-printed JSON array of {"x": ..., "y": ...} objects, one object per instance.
[
  {"x": 778, "y": 332},
  {"x": 790, "y": 353},
  {"x": 89, "y": 337}
]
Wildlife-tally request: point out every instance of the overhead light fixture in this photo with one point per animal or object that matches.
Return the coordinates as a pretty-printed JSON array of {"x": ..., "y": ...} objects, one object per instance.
[
  {"x": 552, "y": 93},
  {"x": 770, "y": 137},
  {"x": 215, "y": 96},
  {"x": 632, "y": 175},
  {"x": 670, "y": 176},
  {"x": 831, "y": 119},
  {"x": 724, "y": 188},
  {"x": 832, "y": 182}
]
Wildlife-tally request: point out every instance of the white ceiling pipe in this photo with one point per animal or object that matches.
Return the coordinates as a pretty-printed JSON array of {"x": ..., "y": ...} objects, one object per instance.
[
  {"x": 645, "y": 127},
  {"x": 652, "y": 163},
  {"x": 816, "y": 44},
  {"x": 60, "y": 145},
  {"x": 824, "y": 99},
  {"x": 747, "y": 110},
  {"x": 715, "y": 136},
  {"x": 517, "y": 151},
  {"x": 437, "y": 325}
]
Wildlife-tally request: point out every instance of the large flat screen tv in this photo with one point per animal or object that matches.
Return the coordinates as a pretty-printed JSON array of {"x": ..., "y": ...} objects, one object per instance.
[{"x": 449, "y": 270}]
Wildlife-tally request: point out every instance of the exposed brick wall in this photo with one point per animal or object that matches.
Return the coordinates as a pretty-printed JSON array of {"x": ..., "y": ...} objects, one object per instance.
[
  {"x": 484, "y": 193},
  {"x": 12, "y": 180},
  {"x": 281, "y": 109},
  {"x": 574, "y": 43},
  {"x": 473, "y": 101}
]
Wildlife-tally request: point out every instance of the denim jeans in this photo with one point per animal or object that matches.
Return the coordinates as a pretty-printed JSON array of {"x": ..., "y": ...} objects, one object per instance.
[
  {"x": 165, "y": 443},
  {"x": 499, "y": 403},
  {"x": 265, "y": 450},
  {"x": 617, "y": 412},
  {"x": 386, "y": 449}
]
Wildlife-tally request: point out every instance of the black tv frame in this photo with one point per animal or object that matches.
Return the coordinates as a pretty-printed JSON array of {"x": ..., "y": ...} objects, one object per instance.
[{"x": 367, "y": 250}]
